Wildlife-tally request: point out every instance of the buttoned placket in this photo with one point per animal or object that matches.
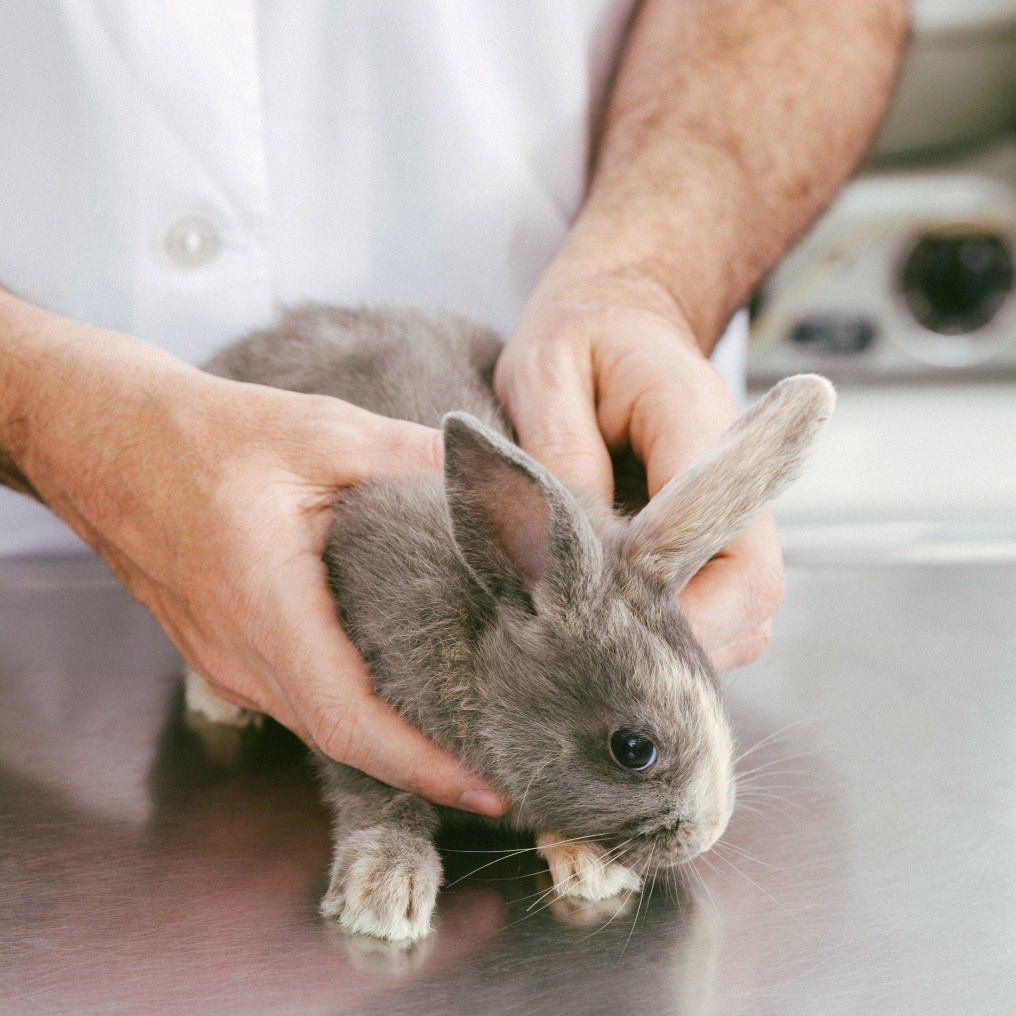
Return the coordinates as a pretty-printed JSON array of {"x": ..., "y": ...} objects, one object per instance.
[{"x": 196, "y": 208}]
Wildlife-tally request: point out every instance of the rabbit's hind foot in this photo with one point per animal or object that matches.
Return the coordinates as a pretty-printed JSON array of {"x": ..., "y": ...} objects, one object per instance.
[
  {"x": 201, "y": 701},
  {"x": 220, "y": 726}
]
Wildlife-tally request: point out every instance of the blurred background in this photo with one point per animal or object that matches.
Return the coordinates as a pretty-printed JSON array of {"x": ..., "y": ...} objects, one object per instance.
[{"x": 904, "y": 294}]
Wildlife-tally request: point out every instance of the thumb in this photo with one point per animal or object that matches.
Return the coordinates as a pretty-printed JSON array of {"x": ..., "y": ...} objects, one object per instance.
[{"x": 554, "y": 416}]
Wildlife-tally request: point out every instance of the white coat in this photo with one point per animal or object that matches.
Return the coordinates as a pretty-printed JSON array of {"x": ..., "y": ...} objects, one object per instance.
[{"x": 179, "y": 169}]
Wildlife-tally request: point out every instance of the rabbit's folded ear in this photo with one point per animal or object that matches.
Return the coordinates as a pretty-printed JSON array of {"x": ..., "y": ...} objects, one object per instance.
[
  {"x": 702, "y": 509},
  {"x": 519, "y": 531}
]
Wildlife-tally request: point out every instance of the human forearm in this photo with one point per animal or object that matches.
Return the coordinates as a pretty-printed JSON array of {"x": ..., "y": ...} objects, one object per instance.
[
  {"x": 70, "y": 395},
  {"x": 730, "y": 126}
]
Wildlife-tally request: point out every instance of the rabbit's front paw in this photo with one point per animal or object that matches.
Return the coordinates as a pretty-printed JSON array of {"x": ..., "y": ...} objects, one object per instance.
[
  {"x": 384, "y": 883},
  {"x": 583, "y": 869}
]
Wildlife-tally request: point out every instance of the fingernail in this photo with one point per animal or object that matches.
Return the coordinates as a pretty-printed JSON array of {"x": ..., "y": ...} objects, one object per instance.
[{"x": 483, "y": 802}]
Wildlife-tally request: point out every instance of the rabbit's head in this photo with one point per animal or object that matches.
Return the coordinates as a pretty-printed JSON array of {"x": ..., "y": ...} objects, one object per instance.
[{"x": 603, "y": 717}]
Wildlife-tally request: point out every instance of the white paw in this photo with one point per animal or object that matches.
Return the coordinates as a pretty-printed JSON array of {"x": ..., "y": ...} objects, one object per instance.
[
  {"x": 583, "y": 869},
  {"x": 385, "y": 893},
  {"x": 219, "y": 725},
  {"x": 202, "y": 702}
]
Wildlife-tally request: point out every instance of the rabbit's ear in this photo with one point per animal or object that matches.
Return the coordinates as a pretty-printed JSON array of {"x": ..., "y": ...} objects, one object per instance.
[
  {"x": 703, "y": 508},
  {"x": 519, "y": 531}
]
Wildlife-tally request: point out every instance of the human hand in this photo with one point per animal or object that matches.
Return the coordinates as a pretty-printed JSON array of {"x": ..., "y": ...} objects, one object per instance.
[
  {"x": 209, "y": 500},
  {"x": 597, "y": 365}
]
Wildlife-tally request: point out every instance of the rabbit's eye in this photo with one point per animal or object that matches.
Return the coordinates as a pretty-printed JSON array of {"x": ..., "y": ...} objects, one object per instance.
[{"x": 633, "y": 751}]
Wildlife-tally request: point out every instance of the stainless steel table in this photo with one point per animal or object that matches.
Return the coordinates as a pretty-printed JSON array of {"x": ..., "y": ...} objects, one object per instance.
[{"x": 870, "y": 866}]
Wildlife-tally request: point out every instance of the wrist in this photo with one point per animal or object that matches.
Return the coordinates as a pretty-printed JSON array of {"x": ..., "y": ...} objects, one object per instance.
[
  {"x": 71, "y": 396},
  {"x": 19, "y": 382},
  {"x": 579, "y": 286}
]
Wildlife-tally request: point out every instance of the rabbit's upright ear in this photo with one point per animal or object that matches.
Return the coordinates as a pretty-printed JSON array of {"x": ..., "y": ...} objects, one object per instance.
[
  {"x": 703, "y": 508},
  {"x": 519, "y": 531}
]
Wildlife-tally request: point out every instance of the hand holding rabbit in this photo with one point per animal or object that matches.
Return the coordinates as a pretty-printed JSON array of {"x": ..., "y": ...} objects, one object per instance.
[
  {"x": 602, "y": 365},
  {"x": 209, "y": 500}
]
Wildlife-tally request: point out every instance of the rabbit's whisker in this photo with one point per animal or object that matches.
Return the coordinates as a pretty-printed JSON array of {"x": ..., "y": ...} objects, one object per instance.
[
  {"x": 755, "y": 796},
  {"x": 722, "y": 848},
  {"x": 512, "y": 851},
  {"x": 763, "y": 767},
  {"x": 769, "y": 738},
  {"x": 642, "y": 899},
  {"x": 693, "y": 867},
  {"x": 743, "y": 874},
  {"x": 505, "y": 855}
]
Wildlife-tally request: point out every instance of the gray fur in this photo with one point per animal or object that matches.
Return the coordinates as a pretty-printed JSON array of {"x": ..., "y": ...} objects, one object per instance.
[{"x": 515, "y": 622}]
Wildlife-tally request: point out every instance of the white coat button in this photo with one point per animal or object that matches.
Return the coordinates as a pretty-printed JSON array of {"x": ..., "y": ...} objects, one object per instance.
[{"x": 191, "y": 242}]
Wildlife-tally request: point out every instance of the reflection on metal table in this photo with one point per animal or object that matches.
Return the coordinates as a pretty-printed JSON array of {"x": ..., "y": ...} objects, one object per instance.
[{"x": 870, "y": 865}]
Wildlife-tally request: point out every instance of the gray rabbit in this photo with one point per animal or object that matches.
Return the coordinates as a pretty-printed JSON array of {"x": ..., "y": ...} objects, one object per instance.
[{"x": 523, "y": 626}]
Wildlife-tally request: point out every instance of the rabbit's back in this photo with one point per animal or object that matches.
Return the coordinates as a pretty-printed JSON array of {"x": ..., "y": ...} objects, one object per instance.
[{"x": 403, "y": 363}]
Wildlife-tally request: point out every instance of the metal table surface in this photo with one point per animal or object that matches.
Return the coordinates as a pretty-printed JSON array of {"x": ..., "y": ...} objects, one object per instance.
[{"x": 869, "y": 868}]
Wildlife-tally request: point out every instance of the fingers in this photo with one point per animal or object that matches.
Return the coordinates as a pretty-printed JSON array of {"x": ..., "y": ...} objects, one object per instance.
[
  {"x": 333, "y": 704},
  {"x": 660, "y": 395},
  {"x": 547, "y": 389},
  {"x": 332, "y": 707},
  {"x": 731, "y": 601},
  {"x": 326, "y": 695},
  {"x": 247, "y": 601},
  {"x": 367, "y": 734},
  {"x": 670, "y": 444},
  {"x": 675, "y": 410},
  {"x": 637, "y": 380}
]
